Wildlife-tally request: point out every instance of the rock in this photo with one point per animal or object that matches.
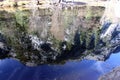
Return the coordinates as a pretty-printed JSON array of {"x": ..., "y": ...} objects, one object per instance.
[{"x": 112, "y": 75}]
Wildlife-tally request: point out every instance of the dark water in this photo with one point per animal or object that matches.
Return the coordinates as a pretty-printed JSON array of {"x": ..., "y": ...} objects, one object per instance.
[{"x": 11, "y": 69}]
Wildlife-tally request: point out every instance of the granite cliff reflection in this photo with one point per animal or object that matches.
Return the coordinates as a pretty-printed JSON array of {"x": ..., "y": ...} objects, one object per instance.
[{"x": 39, "y": 36}]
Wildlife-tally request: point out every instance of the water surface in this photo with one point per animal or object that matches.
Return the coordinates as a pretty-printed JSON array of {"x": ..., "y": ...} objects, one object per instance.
[
  {"x": 54, "y": 41},
  {"x": 11, "y": 69}
]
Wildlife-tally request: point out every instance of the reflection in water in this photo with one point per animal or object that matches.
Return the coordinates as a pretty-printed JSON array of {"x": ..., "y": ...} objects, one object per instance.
[
  {"x": 11, "y": 69},
  {"x": 57, "y": 28},
  {"x": 39, "y": 22},
  {"x": 51, "y": 35}
]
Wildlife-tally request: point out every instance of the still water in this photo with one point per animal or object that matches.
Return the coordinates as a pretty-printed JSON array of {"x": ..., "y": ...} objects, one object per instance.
[
  {"x": 55, "y": 42},
  {"x": 51, "y": 35},
  {"x": 11, "y": 69}
]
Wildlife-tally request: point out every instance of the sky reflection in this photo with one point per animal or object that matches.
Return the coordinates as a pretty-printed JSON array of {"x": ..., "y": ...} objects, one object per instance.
[{"x": 11, "y": 69}]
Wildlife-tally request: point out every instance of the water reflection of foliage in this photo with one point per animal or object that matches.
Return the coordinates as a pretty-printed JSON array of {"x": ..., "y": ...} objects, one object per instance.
[
  {"x": 81, "y": 29},
  {"x": 15, "y": 30}
]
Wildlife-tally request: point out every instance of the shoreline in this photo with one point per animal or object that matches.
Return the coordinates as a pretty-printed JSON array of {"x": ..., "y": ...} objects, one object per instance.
[{"x": 43, "y": 5}]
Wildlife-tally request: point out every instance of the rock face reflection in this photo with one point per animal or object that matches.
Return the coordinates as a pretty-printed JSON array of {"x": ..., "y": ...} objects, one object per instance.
[
  {"x": 57, "y": 27},
  {"x": 39, "y": 36}
]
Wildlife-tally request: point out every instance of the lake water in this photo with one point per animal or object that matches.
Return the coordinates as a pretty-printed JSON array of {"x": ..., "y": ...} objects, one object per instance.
[
  {"x": 55, "y": 43},
  {"x": 11, "y": 69}
]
